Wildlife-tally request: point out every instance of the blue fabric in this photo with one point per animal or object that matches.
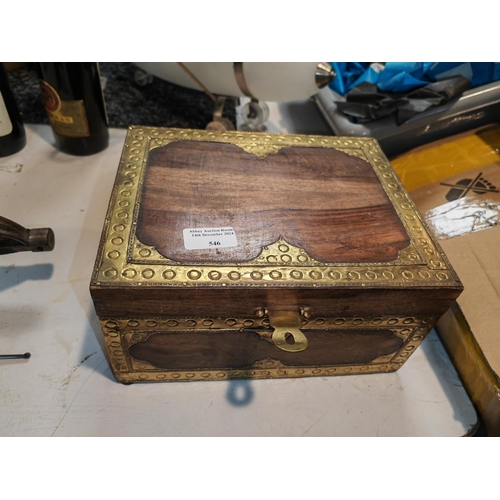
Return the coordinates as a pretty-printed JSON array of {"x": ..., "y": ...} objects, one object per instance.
[
  {"x": 405, "y": 76},
  {"x": 401, "y": 77},
  {"x": 347, "y": 75}
]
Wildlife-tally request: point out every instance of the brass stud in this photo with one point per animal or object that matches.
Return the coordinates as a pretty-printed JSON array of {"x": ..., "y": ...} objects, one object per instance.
[
  {"x": 110, "y": 273},
  {"x": 335, "y": 275},
  {"x": 194, "y": 274},
  {"x": 148, "y": 273}
]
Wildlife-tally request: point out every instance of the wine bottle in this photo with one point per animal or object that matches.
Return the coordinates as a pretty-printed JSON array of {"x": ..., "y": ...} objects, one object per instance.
[
  {"x": 12, "y": 133},
  {"x": 74, "y": 101}
]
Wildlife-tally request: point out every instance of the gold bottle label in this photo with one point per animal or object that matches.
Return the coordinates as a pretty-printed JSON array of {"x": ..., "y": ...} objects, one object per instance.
[{"x": 66, "y": 118}]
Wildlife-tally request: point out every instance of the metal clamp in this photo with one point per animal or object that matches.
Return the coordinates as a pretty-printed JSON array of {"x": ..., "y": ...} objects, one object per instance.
[
  {"x": 15, "y": 238},
  {"x": 287, "y": 325}
]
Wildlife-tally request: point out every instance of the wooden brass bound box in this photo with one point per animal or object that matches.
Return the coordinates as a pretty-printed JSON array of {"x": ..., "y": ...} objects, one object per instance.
[{"x": 245, "y": 255}]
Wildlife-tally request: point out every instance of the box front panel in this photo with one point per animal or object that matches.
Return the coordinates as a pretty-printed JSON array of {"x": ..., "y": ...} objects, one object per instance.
[{"x": 160, "y": 349}]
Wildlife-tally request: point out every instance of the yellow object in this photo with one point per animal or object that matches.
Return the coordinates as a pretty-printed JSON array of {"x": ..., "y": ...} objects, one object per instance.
[{"x": 446, "y": 158}]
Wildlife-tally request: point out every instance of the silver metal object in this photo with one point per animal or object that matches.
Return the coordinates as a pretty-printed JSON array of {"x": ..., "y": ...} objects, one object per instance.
[{"x": 323, "y": 75}]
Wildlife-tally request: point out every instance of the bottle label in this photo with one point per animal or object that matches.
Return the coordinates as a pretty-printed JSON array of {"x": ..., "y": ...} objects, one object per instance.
[
  {"x": 5, "y": 123},
  {"x": 66, "y": 118}
]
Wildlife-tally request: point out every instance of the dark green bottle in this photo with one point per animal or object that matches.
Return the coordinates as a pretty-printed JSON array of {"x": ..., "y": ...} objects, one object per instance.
[
  {"x": 74, "y": 101},
  {"x": 12, "y": 133}
]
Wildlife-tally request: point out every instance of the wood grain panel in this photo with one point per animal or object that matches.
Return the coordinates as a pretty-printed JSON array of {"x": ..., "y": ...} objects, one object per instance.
[
  {"x": 320, "y": 199},
  {"x": 228, "y": 302},
  {"x": 226, "y": 349}
]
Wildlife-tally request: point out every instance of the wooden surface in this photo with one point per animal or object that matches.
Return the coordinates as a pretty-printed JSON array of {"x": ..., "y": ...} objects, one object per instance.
[
  {"x": 240, "y": 302},
  {"x": 322, "y": 200},
  {"x": 234, "y": 349}
]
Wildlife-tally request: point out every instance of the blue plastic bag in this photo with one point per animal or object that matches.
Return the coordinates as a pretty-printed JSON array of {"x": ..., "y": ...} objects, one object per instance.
[{"x": 405, "y": 76}]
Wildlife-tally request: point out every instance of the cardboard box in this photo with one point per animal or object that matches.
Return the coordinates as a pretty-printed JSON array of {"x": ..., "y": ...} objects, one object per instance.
[{"x": 464, "y": 212}]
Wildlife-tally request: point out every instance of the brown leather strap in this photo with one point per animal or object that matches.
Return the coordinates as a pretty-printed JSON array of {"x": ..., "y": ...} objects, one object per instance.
[
  {"x": 184, "y": 67},
  {"x": 240, "y": 79}
]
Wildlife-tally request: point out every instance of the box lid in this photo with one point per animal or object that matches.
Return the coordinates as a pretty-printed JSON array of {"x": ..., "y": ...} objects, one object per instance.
[{"x": 194, "y": 208}]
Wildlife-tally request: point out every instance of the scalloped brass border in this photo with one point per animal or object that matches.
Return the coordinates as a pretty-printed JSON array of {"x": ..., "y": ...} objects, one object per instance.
[
  {"x": 123, "y": 260},
  {"x": 121, "y": 333}
]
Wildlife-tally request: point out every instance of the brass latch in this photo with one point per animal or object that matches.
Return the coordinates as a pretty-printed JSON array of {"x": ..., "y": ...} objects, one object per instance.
[{"x": 286, "y": 326}]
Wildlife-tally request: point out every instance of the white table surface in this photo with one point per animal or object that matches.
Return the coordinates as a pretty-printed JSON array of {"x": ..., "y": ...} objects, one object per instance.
[{"x": 67, "y": 389}]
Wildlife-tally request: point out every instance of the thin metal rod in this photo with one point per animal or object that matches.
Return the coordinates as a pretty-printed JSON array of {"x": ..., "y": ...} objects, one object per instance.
[
  {"x": 26, "y": 355},
  {"x": 183, "y": 66}
]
